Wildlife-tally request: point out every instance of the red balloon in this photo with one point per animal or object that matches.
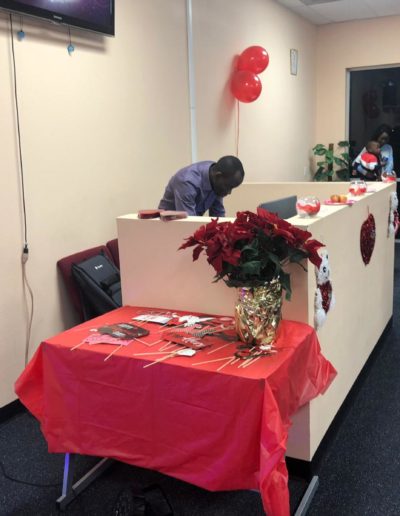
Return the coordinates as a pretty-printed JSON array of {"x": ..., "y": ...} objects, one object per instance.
[
  {"x": 253, "y": 59},
  {"x": 246, "y": 86}
]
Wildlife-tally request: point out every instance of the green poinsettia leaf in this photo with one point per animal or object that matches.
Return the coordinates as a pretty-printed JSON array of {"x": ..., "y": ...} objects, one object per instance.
[
  {"x": 252, "y": 245},
  {"x": 269, "y": 257},
  {"x": 343, "y": 143},
  {"x": 250, "y": 250},
  {"x": 284, "y": 278},
  {"x": 297, "y": 255},
  {"x": 252, "y": 268}
]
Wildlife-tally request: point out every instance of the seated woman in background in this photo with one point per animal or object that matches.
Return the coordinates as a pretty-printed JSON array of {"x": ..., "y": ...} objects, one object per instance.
[{"x": 382, "y": 137}]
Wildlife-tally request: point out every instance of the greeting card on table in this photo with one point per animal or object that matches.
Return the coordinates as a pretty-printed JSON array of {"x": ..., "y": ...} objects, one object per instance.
[{"x": 123, "y": 331}]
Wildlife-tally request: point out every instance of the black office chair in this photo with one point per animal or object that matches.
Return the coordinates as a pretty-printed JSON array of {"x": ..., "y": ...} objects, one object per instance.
[
  {"x": 65, "y": 266},
  {"x": 284, "y": 207},
  {"x": 112, "y": 246}
]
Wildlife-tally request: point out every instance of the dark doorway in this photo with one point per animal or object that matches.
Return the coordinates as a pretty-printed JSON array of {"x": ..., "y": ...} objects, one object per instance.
[{"x": 375, "y": 100}]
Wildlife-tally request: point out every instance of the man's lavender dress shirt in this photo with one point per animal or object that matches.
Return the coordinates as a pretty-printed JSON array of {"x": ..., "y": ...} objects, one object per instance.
[{"x": 190, "y": 190}]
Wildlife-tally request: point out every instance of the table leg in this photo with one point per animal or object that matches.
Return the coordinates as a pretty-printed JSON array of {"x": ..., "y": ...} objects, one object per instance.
[
  {"x": 70, "y": 491},
  {"x": 305, "y": 502}
]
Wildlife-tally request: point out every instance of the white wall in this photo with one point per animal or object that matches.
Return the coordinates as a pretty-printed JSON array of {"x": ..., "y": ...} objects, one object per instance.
[
  {"x": 341, "y": 46},
  {"x": 276, "y": 131},
  {"x": 99, "y": 129},
  {"x": 103, "y": 129}
]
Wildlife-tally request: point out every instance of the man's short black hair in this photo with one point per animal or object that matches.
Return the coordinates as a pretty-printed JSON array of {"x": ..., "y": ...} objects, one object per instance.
[{"x": 229, "y": 166}]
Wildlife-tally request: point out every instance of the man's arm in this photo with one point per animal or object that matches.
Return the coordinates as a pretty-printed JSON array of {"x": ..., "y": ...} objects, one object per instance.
[{"x": 217, "y": 209}]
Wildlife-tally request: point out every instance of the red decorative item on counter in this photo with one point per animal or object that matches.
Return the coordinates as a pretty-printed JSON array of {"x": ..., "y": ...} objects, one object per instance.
[
  {"x": 329, "y": 202},
  {"x": 367, "y": 238},
  {"x": 363, "y": 188},
  {"x": 149, "y": 214},
  {"x": 358, "y": 187},
  {"x": 389, "y": 177},
  {"x": 308, "y": 206},
  {"x": 167, "y": 215}
]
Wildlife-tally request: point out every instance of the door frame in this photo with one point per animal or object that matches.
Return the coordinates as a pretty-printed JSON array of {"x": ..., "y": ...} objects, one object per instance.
[
  {"x": 348, "y": 86},
  {"x": 347, "y": 105}
]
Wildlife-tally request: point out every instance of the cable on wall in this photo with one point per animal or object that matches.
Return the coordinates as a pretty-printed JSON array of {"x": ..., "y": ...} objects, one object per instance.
[
  {"x": 30, "y": 315},
  {"x": 237, "y": 127},
  {"x": 21, "y": 33},
  {"x": 21, "y": 166},
  {"x": 25, "y": 250},
  {"x": 70, "y": 46}
]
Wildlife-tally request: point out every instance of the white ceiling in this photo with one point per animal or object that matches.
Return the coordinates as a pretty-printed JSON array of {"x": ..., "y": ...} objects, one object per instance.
[{"x": 332, "y": 11}]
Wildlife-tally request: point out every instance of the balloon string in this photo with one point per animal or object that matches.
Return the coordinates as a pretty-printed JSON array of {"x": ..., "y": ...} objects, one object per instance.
[{"x": 237, "y": 129}]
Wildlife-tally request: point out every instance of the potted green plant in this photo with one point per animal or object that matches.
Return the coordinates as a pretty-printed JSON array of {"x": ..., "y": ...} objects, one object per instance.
[{"x": 332, "y": 161}]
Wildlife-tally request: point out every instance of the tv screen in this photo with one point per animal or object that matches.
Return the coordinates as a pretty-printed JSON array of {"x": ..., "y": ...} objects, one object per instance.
[{"x": 95, "y": 15}]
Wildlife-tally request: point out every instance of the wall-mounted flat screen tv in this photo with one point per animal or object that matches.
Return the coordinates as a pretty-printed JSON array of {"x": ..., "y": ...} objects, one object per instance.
[{"x": 95, "y": 15}]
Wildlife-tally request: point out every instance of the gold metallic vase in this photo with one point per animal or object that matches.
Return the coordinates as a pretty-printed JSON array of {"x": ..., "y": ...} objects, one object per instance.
[{"x": 258, "y": 313}]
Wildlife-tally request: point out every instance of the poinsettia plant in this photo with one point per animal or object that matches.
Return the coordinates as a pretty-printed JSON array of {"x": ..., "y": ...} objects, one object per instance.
[{"x": 253, "y": 249}]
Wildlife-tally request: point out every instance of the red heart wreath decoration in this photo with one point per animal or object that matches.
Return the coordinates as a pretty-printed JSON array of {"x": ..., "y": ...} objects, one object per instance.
[{"x": 367, "y": 238}]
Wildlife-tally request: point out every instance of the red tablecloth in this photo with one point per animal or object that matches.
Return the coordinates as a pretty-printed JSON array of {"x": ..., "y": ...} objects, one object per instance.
[{"x": 218, "y": 430}]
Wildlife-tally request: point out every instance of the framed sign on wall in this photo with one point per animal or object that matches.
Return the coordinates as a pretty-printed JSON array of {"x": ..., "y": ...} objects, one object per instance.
[{"x": 294, "y": 59}]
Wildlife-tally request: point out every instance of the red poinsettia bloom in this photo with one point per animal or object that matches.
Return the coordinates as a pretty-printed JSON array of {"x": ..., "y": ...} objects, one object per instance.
[{"x": 254, "y": 248}]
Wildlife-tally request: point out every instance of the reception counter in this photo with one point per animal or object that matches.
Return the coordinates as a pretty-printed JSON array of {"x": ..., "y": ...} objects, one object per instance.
[{"x": 155, "y": 273}]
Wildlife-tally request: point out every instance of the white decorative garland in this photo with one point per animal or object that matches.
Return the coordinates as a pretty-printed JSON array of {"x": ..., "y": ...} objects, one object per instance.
[
  {"x": 324, "y": 296},
  {"x": 393, "y": 215}
]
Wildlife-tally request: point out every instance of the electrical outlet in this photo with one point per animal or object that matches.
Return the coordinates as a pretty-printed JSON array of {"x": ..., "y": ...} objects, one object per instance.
[{"x": 305, "y": 170}]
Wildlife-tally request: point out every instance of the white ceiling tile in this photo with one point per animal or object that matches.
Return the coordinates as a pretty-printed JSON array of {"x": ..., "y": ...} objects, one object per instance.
[
  {"x": 343, "y": 10},
  {"x": 384, "y": 7},
  {"x": 377, "y": 9},
  {"x": 312, "y": 2},
  {"x": 311, "y": 15},
  {"x": 304, "y": 11},
  {"x": 289, "y": 3}
]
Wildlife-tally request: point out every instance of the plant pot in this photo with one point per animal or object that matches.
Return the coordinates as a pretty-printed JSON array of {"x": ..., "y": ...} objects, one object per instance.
[{"x": 258, "y": 312}]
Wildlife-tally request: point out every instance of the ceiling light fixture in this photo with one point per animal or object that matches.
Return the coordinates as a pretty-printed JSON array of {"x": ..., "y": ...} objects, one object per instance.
[{"x": 317, "y": 2}]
